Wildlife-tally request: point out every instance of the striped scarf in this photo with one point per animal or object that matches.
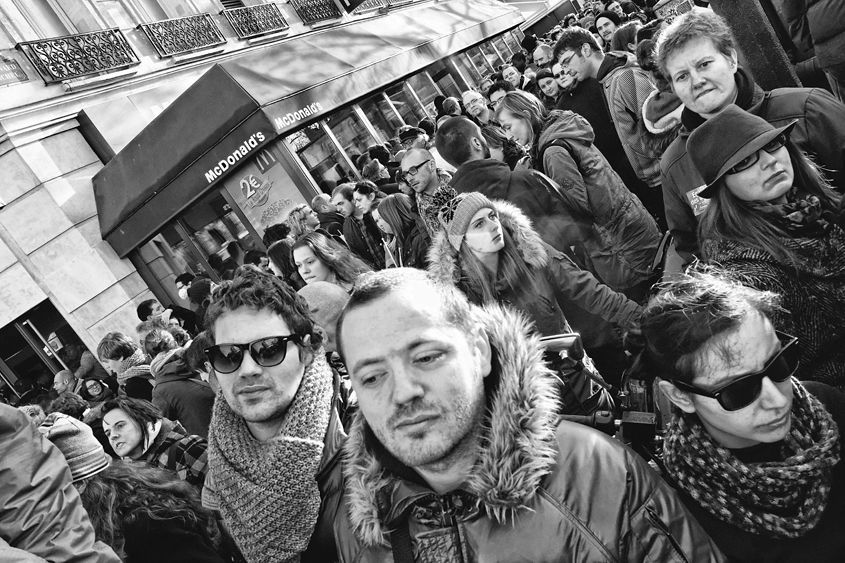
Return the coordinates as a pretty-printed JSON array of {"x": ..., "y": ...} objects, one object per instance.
[{"x": 777, "y": 499}]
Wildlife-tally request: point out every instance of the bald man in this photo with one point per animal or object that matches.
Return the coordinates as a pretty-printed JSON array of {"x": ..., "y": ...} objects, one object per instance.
[
  {"x": 326, "y": 301},
  {"x": 65, "y": 381},
  {"x": 330, "y": 220},
  {"x": 543, "y": 56}
]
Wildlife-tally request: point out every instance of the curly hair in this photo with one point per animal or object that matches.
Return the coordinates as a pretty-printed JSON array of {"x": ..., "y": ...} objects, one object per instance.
[
  {"x": 257, "y": 291},
  {"x": 297, "y": 220},
  {"x": 70, "y": 404},
  {"x": 116, "y": 497},
  {"x": 341, "y": 261}
]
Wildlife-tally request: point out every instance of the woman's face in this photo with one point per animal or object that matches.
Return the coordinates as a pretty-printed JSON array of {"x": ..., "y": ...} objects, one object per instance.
[
  {"x": 549, "y": 87},
  {"x": 123, "y": 433},
  {"x": 768, "y": 179},
  {"x": 363, "y": 202},
  {"x": 94, "y": 388},
  {"x": 381, "y": 223},
  {"x": 702, "y": 77},
  {"x": 311, "y": 268},
  {"x": 766, "y": 420},
  {"x": 311, "y": 219},
  {"x": 484, "y": 235},
  {"x": 516, "y": 127},
  {"x": 564, "y": 79}
]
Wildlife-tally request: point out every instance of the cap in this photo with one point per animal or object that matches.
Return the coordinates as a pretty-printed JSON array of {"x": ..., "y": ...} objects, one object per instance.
[
  {"x": 456, "y": 214},
  {"x": 410, "y": 133}
]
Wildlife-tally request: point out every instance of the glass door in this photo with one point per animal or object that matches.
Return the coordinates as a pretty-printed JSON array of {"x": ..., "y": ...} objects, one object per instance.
[
  {"x": 381, "y": 116},
  {"x": 406, "y": 104}
]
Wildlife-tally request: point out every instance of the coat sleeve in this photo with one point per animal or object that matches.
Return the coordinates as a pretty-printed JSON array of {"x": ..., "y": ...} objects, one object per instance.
[
  {"x": 580, "y": 287},
  {"x": 161, "y": 402},
  {"x": 649, "y": 144},
  {"x": 825, "y": 119},
  {"x": 679, "y": 215},
  {"x": 40, "y": 510},
  {"x": 662, "y": 529},
  {"x": 559, "y": 164}
]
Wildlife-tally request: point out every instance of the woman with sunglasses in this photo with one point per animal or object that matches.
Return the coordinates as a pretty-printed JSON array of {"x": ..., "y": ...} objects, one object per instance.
[
  {"x": 319, "y": 258},
  {"x": 754, "y": 454},
  {"x": 773, "y": 220}
]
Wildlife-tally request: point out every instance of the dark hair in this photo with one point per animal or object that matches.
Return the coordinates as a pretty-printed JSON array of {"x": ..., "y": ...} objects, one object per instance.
[
  {"x": 116, "y": 346},
  {"x": 342, "y": 262},
  {"x": 650, "y": 30},
  {"x": 281, "y": 257},
  {"x": 139, "y": 411},
  {"x": 729, "y": 218},
  {"x": 145, "y": 309},
  {"x": 275, "y": 233},
  {"x": 259, "y": 291},
  {"x": 233, "y": 248},
  {"x": 184, "y": 279},
  {"x": 345, "y": 190},
  {"x": 624, "y": 35},
  {"x": 453, "y": 304},
  {"x": 453, "y": 140},
  {"x": 397, "y": 210},
  {"x": 503, "y": 85},
  {"x": 70, "y": 404},
  {"x": 117, "y": 496},
  {"x": 572, "y": 38},
  {"x": 195, "y": 356},
  {"x": 496, "y": 137},
  {"x": 366, "y": 187},
  {"x": 254, "y": 257},
  {"x": 139, "y": 388},
  {"x": 428, "y": 125},
  {"x": 689, "y": 313},
  {"x": 380, "y": 153}
]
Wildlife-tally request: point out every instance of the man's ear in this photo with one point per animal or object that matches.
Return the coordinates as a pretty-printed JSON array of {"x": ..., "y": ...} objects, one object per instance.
[
  {"x": 680, "y": 399},
  {"x": 306, "y": 354},
  {"x": 481, "y": 341}
]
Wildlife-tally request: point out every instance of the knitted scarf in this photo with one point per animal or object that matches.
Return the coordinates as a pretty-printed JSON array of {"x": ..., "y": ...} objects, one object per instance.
[
  {"x": 268, "y": 491},
  {"x": 777, "y": 499},
  {"x": 801, "y": 215},
  {"x": 135, "y": 366}
]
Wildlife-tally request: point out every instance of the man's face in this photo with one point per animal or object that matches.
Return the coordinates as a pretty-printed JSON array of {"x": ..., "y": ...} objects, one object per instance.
[
  {"x": 419, "y": 380},
  {"x": 576, "y": 64},
  {"x": 542, "y": 57},
  {"x": 425, "y": 179},
  {"x": 475, "y": 105},
  {"x": 61, "y": 383},
  {"x": 496, "y": 98},
  {"x": 343, "y": 205},
  {"x": 702, "y": 77},
  {"x": 157, "y": 310},
  {"x": 261, "y": 395},
  {"x": 264, "y": 264},
  {"x": 605, "y": 28},
  {"x": 512, "y": 75},
  {"x": 113, "y": 366},
  {"x": 616, "y": 8}
]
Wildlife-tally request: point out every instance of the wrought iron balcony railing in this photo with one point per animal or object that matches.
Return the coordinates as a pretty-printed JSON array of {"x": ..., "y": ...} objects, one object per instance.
[
  {"x": 254, "y": 21},
  {"x": 183, "y": 35},
  {"x": 313, "y": 11},
  {"x": 72, "y": 56}
]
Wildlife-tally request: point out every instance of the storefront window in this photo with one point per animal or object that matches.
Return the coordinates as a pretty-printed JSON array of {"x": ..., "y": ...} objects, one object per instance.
[
  {"x": 405, "y": 103},
  {"x": 466, "y": 67},
  {"x": 381, "y": 116},
  {"x": 350, "y": 132},
  {"x": 518, "y": 35},
  {"x": 319, "y": 155},
  {"x": 180, "y": 257},
  {"x": 425, "y": 89},
  {"x": 481, "y": 62},
  {"x": 491, "y": 55},
  {"x": 442, "y": 76},
  {"x": 503, "y": 49},
  {"x": 512, "y": 42}
]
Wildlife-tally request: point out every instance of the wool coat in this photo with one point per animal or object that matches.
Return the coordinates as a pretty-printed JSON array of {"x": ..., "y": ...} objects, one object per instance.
[{"x": 539, "y": 490}]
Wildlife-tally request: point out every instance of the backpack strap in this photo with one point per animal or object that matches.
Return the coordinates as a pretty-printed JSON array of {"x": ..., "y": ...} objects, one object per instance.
[
  {"x": 400, "y": 540},
  {"x": 556, "y": 143}
]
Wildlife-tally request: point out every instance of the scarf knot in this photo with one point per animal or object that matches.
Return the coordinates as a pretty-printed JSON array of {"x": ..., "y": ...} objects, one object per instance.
[{"x": 802, "y": 215}]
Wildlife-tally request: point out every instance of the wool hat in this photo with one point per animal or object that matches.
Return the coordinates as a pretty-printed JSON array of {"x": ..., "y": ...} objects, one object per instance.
[
  {"x": 612, "y": 16},
  {"x": 200, "y": 290},
  {"x": 722, "y": 141},
  {"x": 456, "y": 214},
  {"x": 410, "y": 133},
  {"x": 543, "y": 73},
  {"x": 84, "y": 454}
]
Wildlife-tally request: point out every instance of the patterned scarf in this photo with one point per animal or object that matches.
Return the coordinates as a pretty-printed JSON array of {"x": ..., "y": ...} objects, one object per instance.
[
  {"x": 268, "y": 491},
  {"x": 801, "y": 215},
  {"x": 135, "y": 365},
  {"x": 777, "y": 499}
]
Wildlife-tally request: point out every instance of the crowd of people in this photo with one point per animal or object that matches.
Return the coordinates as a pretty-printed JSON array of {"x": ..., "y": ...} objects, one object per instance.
[{"x": 378, "y": 385}]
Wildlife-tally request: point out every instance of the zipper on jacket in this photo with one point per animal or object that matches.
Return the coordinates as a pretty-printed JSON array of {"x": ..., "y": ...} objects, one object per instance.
[{"x": 662, "y": 527}]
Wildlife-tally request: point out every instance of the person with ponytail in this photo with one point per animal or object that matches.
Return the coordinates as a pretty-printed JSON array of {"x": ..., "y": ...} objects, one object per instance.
[
  {"x": 619, "y": 236},
  {"x": 754, "y": 453},
  {"x": 773, "y": 220}
]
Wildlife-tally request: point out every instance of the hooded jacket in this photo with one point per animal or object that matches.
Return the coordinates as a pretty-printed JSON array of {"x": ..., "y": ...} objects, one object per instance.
[
  {"x": 620, "y": 236},
  {"x": 626, "y": 87},
  {"x": 820, "y": 131},
  {"x": 539, "y": 491},
  {"x": 180, "y": 394},
  {"x": 561, "y": 283},
  {"x": 813, "y": 293}
]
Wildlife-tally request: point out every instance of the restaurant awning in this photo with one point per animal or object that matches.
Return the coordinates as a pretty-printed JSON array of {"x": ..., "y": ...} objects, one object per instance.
[{"x": 240, "y": 105}]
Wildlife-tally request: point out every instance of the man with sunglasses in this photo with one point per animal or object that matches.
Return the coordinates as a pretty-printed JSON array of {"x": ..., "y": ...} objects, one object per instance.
[
  {"x": 275, "y": 432},
  {"x": 754, "y": 452},
  {"x": 419, "y": 170}
]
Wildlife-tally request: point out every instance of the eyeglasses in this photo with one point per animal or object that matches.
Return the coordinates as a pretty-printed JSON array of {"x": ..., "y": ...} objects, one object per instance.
[
  {"x": 774, "y": 145},
  {"x": 266, "y": 352},
  {"x": 412, "y": 171},
  {"x": 742, "y": 392},
  {"x": 564, "y": 63},
  {"x": 408, "y": 143},
  {"x": 475, "y": 101}
]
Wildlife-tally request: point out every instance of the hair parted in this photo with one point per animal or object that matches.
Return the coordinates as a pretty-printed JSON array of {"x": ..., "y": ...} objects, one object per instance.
[
  {"x": 256, "y": 290},
  {"x": 141, "y": 412},
  {"x": 696, "y": 24},
  {"x": 341, "y": 261},
  {"x": 116, "y": 346}
]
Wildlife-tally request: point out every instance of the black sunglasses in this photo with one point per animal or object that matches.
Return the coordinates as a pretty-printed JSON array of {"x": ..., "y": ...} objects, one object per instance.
[
  {"x": 266, "y": 352},
  {"x": 745, "y": 390},
  {"x": 774, "y": 145}
]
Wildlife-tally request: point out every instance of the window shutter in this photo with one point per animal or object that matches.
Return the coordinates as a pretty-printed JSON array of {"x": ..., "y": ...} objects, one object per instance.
[{"x": 229, "y": 4}]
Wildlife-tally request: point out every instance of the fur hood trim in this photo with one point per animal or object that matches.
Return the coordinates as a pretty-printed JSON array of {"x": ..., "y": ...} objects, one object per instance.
[
  {"x": 519, "y": 450},
  {"x": 443, "y": 258}
]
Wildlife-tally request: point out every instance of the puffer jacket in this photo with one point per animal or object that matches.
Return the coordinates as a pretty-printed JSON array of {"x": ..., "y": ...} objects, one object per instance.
[
  {"x": 626, "y": 87},
  {"x": 620, "y": 236},
  {"x": 538, "y": 492},
  {"x": 40, "y": 511},
  {"x": 560, "y": 282},
  {"x": 180, "y": 394},
  {"x": 820, "y": 131},
  {"x": 819, "y": 24},
  {"x": 813, "y": 293}
]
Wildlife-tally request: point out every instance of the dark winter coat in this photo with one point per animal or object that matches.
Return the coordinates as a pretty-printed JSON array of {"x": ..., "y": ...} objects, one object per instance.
[
  {"x": 150, "y": 540},
  {"x": 538, "y": 492},
  {"x": 813, "y": 293},
  {"x": 620, "y": 236},
  {"x": 176, "y": 450},
  {"x": 331, "y": 222},
  {"x": 817, "y": 24},
  {"x": 820, "y": 131},
  {"x": 560, "y": 283},
  {"x": 182, "y": 395},
  {"x": 414, "y": 252},
  {"x": 353, "y": 232}
]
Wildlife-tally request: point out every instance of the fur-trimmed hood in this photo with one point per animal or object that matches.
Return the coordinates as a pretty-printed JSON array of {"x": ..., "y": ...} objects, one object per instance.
[
  {"x": 443, "y": 258},
  {"x": 520, "y": 448}
]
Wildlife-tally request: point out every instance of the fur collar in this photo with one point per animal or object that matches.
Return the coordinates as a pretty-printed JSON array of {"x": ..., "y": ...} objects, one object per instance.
[
  {"x": 520, "y": 448},
  {"x": 443, "y": 259}
]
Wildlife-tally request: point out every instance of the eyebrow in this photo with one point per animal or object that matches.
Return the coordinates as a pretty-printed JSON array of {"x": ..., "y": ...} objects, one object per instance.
[{"x": 416, "y": 343}]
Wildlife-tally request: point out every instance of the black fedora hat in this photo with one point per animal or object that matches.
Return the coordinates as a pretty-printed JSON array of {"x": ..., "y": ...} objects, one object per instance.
[{"x": 725, "y": 139}]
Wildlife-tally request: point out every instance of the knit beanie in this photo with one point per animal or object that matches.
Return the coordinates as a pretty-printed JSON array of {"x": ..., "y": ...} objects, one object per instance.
[
  {"x": 456, "y": 214},
  {"x": 199, "y": 290},
  {"x": 84, "y": 454},
  {"x": 543, "y": 73},
  {"x": 612, "y": 16}
]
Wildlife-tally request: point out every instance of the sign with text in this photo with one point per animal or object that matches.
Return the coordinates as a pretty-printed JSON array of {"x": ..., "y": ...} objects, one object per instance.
[{"x": 11, "y": 72}]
